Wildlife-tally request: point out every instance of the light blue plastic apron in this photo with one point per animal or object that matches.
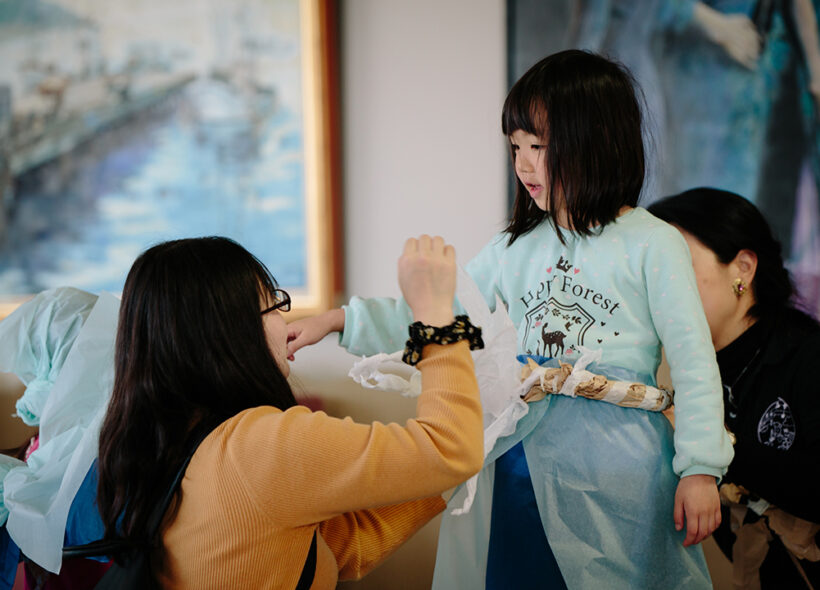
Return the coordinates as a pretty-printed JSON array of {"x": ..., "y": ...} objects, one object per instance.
[{"x": 603, "y": 482}]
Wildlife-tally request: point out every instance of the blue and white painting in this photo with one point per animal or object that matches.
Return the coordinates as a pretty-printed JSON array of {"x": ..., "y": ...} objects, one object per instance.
[
  {"x": 732, "y": 94},
  {"x": 123, "y": 124}
]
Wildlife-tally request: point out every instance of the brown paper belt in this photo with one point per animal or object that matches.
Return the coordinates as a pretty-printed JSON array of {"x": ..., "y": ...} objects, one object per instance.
[{"x": 595, "y": 388}]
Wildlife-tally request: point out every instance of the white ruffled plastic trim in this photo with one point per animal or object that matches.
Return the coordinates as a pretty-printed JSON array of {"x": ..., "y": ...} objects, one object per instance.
[{"x": 497, "y": 372}]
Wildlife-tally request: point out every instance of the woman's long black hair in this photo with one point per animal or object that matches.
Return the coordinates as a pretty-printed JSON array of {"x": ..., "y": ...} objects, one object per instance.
[
  {"x": 586, "y": 109},
  {"x": 190, "y": 353},
  {"x": 726, "y": 223}
]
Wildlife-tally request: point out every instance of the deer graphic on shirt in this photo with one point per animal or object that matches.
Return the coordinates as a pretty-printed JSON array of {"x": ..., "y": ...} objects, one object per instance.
[{"x": 552, "y": 338}]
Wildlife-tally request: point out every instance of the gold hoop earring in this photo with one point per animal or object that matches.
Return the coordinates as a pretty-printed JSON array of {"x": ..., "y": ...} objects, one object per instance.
[{"x": 739, "y": 287}]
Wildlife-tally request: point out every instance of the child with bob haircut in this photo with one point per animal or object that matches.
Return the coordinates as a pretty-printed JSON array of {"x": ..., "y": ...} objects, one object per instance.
[{"x": 584, "y": 494}]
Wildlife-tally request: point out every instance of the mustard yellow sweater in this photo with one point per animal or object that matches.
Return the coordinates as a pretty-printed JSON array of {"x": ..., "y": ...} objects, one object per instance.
[{"x": 263, "y": 481}]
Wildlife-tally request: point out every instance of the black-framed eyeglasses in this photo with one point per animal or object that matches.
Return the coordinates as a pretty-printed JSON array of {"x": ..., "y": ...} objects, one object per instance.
[{"x": 282, "y": 301}]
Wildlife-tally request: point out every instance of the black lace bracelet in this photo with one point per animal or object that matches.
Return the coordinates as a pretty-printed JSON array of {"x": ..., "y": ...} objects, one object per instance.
[{"x": 421, "y": 335}]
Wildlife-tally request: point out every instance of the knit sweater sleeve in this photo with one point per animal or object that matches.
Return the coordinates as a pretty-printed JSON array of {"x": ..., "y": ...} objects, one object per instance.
[
  {"x": 702, "y": 445},
  {"x": 362, "y": 539},
  {"x": 303, "y": 467}
]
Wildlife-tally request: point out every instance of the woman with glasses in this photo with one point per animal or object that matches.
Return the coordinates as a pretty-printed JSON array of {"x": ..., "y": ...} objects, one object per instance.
[
  {"x": 274, "y": 495},
  {"x": 767, "y": 351}
]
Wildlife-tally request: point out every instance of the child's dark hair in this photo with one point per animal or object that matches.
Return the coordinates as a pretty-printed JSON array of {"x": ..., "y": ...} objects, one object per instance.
[
  {"x": 726, "y": 223},
  {"x": 586, "y": 109}
]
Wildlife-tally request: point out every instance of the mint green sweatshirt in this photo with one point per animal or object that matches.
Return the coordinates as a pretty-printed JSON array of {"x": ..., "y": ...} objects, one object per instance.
[{"x": 627, "y": 291}]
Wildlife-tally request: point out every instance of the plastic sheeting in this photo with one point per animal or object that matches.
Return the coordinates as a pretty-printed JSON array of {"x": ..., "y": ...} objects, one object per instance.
[
  {"x": 35, "y": 341},
  {"x": 497, "y": 371},
  {"x": 603, "y": 481},
  {"x": 39, "y": 494}
]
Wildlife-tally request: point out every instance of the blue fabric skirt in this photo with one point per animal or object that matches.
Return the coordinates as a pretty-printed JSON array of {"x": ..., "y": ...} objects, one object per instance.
[{"x": 519, "y": 554}]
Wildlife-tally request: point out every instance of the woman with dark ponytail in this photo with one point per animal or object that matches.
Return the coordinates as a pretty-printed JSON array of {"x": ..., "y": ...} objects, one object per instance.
[{"x": 767, "y": 350}]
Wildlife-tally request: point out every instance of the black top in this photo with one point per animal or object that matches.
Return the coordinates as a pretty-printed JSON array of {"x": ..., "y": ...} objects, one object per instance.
[{"x": 771, "y": 396}]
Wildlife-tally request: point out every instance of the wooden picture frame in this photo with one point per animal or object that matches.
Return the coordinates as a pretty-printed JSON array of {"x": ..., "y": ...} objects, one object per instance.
[
  {"x": 322, "y": 159},
  {"x": 320, "y": 252}
]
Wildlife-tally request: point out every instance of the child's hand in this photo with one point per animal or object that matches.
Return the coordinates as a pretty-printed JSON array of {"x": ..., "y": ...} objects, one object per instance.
[
  {"x": 697, "y": 498},
  {"x": 310, "y": 330}
]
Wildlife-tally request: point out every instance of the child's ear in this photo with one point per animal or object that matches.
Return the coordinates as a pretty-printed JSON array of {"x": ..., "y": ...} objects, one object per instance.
[{"x": 745, "y": 264}]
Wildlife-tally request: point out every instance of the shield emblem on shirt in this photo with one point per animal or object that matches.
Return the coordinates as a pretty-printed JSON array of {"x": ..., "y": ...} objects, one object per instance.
[
  {"x": 555, "y": 329},
  {"x": 776, "y": 428}
]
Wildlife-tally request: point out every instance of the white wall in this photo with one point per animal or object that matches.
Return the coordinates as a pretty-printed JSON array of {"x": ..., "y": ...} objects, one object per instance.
[{"x": 423, "y": 86}]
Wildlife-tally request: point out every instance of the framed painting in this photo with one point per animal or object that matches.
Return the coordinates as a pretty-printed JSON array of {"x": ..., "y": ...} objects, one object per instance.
[
  {"x": 123, "y": 124},
  {"x": 745, "y": 121}
]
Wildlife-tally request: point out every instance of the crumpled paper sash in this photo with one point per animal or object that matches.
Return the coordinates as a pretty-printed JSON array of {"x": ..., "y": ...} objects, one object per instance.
[{"x": 575, "y": 380}]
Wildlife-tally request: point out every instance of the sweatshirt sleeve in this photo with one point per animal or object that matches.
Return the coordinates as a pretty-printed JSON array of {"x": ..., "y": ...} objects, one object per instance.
[
  {"x": 485, "y": 270},
  {"x": 379, "y": 324},
  {"x": 702, "y": 445},
  {"x": 303, "y": 467}
]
